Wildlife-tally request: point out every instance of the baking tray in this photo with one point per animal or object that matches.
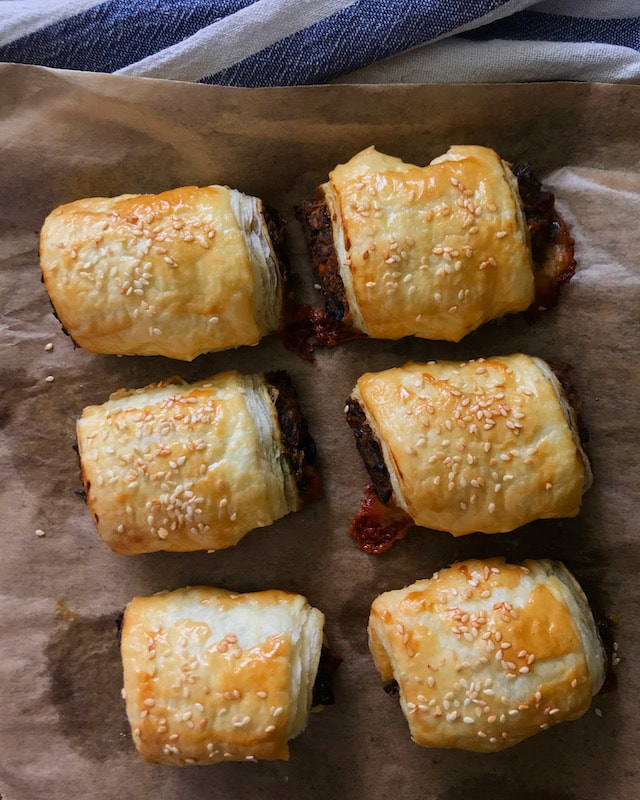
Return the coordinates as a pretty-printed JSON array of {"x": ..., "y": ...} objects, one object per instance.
[{"x": 66, "y": 135}]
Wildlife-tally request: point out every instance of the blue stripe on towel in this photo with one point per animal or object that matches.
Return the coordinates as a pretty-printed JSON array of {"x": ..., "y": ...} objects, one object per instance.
[
  {"x": 117, "y": 33},
  {"x": 536, "y": 26},
  {"x": 366, "y": 31}
]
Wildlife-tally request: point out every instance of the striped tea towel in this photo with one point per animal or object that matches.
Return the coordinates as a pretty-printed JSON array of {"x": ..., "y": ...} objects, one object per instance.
[{"x": 296, "y": 42}]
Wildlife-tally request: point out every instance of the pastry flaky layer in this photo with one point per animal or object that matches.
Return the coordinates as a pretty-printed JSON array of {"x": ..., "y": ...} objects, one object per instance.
[
  {"x": 213, "y": 676},
  {"x": 486, "y": 653},
  {"x": 177, "y": 274},
  {"x": 429, "y": 251},
  {"x": 178, "y": 466},
  {"x": 486, "y": 445}
]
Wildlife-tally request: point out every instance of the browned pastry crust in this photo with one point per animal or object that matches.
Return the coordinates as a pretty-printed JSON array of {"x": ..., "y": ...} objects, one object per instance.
[
  {"x": 486, "y": 654},
  {"x": 436, "y": 251},
  {"x": 184, "y": 272},
  {"x": 485, "y": 445},
  {"x": 177, "y": 466},
  {"x": 212, "y": 676}
]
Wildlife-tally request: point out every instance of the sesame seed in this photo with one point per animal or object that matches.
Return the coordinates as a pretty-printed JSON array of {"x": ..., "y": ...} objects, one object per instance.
[
  {"x": 49, "y": 379},
  {"x": 40, "y": 532}
]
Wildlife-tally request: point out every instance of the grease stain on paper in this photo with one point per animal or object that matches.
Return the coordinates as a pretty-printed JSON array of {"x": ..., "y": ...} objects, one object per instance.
[{"x": 83, "y": 660}]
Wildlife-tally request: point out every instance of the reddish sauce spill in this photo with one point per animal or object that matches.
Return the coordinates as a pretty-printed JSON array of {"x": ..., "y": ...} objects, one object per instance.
[
  {"x": 376, "y": 526},
  {"x": 309, "y": 329}
]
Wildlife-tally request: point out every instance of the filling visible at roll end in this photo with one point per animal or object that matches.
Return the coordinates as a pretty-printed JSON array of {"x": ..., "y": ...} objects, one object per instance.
[
  {"x": 432, "y": 251},
  {"x": 481, "y": 446}
]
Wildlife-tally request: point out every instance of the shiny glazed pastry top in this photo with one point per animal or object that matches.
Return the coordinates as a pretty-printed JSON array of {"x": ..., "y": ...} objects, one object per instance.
[
  {"x": 486, "y": 445},
  {"x": 212, "y": 675},
  {"x": 432, "y": 251},
  {"x": 486, "y": 654},
  {"x": 183, "y": 467},
  {"x": 177, "y": 274}
]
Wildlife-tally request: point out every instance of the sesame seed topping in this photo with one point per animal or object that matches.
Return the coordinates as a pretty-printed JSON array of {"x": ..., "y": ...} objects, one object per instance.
[{"x": 40, "y": 533}]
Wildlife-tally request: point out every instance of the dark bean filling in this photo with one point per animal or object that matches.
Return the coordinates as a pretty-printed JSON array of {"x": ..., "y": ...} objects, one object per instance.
[
  {"x": 314, "y": 218},
  {"x": 369, "y": 449},
  {"x": 552, "y": 247},
  {"x": 323, "y": 694},
  {"x": 298, "y": 446}
]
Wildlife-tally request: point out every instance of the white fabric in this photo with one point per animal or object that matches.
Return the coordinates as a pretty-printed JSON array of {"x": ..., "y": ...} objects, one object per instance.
[{"x": 502, "y": 61}]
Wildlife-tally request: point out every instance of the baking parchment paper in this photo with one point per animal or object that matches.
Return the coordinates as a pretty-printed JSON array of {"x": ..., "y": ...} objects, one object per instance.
[{"x": 64, "y": 135}]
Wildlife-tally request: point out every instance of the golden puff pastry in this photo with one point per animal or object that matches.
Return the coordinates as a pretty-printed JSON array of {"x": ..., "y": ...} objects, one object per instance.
[
  {"x": 184, "y": 272},
  {"x": 486, "y": 445},
  {"x": 431, "y": 251},
  {"x": 486, "y": 654},
  {"x": 213, "y": 676},
  {"x": 178, "y": 466}
]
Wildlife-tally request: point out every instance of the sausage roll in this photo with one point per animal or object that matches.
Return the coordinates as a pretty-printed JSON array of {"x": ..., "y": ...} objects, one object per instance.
[
  {"x": 486, "y": 654},
  {"x": 486, "y": 445},
  {"x": 178, "y": 466},
  {"x": 434, "y": 252},
  {"x": 176, "y": 274},
  {"x": 213, "y": 676}
]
